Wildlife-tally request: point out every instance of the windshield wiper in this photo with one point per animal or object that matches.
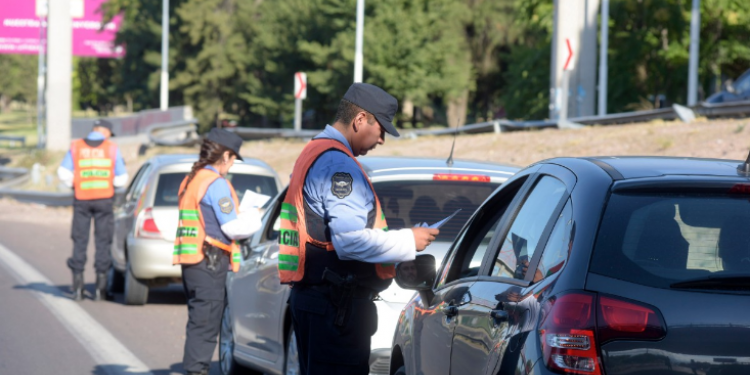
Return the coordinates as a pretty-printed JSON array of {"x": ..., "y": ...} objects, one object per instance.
[{"x": 725, "y": 282}]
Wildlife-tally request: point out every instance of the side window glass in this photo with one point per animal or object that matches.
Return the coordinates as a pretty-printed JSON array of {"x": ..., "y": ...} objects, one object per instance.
[
  {"x": 473, "y": 242},
  {"x": 518, "y": 246},
  {"x": 141, "y": 183},
  {"x": 557, "y": 249},
  {"x": 272, "y": 221},
  {"x": 135, "y": 181}
]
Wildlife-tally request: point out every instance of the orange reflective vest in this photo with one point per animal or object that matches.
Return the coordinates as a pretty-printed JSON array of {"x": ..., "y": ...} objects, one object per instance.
[
  {"x": 294, "y": 239},
  {"x": 93, "y": 169},
  {"x": 188, "y": 244}
]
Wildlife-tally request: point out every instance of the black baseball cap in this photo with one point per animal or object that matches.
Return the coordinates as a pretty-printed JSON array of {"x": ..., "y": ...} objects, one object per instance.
[
  {"x": 375, "y": 100},
  {"x": 104, "y": 124},
  {"x": 227, "y": 139}
]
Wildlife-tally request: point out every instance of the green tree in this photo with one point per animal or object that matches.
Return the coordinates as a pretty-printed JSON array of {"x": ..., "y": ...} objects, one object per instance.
[{"x": 17, "y": 81}]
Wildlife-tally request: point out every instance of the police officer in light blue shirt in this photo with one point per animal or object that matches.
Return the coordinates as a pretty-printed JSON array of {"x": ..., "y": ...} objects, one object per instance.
[
  {"x": 89, "y": 173},
  {"x": 333, "y": 330}
]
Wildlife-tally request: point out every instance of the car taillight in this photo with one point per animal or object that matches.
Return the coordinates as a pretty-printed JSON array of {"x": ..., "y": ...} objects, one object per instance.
[
  {"x": 576, "y": 324},
  {"x": 146, "y": 226},
  {"x": 460, "y": 177}
]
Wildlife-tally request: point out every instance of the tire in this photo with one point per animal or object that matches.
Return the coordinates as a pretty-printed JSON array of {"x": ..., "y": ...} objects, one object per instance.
[
  {"x": 227, "y": 364},
  {"x": 291, "y": 355},
  {"x": 115, "y": 281},
  {"x": 136, "y": 291},
  {"x": 401, "y": 371}
]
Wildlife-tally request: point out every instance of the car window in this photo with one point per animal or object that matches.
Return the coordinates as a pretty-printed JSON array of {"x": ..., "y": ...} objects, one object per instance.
[
  {"x": 519, "y": 244},
  {"x": 742, "y": 86},
  {"x": 134, "y": 182},
  {"x": 472, "y": 243},
  {"x": 272, "y": 222},
  {"x": 140, "y": 183},
  {"x": 168, "y": 186},
  {"x": 409, "y": 203},
  {"x": 265, "y": 185},
  {"x": 558, "y": 246},
  {"x": 659, "y": 239}
]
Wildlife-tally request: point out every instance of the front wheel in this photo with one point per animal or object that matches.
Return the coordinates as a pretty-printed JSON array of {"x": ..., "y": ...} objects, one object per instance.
[{"x": 291, "y": 362}]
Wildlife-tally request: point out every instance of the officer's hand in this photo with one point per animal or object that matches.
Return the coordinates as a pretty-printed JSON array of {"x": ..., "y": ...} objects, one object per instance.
[{"x": 423, "y": 237}]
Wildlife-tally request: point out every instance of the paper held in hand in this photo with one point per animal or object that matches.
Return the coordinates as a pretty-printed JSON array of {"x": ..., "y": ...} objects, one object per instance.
[
  {"x": 439, "y": 223},
  {"x": 252, "y": 200}
]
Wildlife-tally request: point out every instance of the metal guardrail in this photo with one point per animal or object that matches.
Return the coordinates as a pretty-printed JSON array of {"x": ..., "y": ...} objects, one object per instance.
[
  {"x": 10, "y": 177},
  {"x": 54, "y": 199},
  {"x": 174, "y": 133},
  {"x": 12, "y": 139},
  {"x": 267, "y": 133}
]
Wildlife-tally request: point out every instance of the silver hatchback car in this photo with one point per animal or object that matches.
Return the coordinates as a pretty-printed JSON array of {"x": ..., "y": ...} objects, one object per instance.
[
  {"x": 146, "y": 221},
  {"x": 256, "y": 329}
]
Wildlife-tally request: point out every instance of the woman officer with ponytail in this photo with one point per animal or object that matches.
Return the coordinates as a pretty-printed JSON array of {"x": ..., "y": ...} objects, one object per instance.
[{"x": 209, "y": 224}]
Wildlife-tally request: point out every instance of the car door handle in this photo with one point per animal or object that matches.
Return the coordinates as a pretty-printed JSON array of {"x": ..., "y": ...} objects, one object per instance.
[
  {"x": 261, "y": 261},
  {"x": 499, "y": 316}
]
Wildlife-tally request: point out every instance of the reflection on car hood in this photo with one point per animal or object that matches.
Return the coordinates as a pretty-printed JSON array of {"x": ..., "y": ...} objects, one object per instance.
[{"x": 394, "y": 293}]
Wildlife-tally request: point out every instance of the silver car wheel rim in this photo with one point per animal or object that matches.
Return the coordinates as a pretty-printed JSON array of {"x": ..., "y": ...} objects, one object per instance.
[
  {"x": 292, "y": 356},
  {"x": 226, "y": 344}
]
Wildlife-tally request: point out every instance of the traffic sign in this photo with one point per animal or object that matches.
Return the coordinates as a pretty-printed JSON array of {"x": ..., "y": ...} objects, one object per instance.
[
  {"x": 570, "y": 55},
  {"x": 300, "y": 85}
]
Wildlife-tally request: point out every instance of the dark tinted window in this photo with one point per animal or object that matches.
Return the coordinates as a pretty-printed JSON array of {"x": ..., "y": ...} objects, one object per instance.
[
  {"x": 169, "y": 186},
  {"x": 519, "y": 245},
  {"x": 557, "y": 249},
  {"x": 659, "y": 239},
  {"x": 408, "y": 203}
]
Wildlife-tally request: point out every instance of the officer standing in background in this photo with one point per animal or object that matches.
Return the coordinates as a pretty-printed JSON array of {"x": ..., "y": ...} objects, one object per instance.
[
  {"x": 93, "y": 168},
  {"x": 335, "y": 247},
  {"x": 208, "y": 225}
]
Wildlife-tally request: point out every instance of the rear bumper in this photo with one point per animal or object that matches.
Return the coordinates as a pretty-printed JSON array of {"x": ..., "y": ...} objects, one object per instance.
[{"x": 152, "y": 258}]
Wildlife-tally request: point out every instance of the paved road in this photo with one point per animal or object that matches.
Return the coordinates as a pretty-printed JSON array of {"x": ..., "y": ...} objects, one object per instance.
[{"x": 42, "y": 331}]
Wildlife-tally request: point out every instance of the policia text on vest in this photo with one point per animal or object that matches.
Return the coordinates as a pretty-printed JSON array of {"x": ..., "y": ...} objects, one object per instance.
[
  {"x": 334, "y": 247},
  {"x": 205, "y": 245},
  {"x": 93, "y": 168}
]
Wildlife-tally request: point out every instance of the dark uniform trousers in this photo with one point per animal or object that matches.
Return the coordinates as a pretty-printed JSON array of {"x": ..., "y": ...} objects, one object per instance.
[
  {"x": 83, "y": 211},
  {"x": 205, "y": 291},
  {"x": 325, "y": 348}
]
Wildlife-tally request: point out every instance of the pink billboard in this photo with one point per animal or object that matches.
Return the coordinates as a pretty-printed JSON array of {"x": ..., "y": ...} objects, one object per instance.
[{"x": 19, "y": 28}]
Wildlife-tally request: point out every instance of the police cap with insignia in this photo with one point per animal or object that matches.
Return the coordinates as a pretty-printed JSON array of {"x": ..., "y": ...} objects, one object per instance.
[
  {"x": 375, "y": 100},
  {"x": 227, "y": 139},
  {"x": 104, "y": 124}
]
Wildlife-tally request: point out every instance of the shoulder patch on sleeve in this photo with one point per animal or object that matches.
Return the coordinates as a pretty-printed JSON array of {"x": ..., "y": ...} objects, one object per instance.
[
  {"x": 226, "y": 205},
  {"x": 341, "y": 184}
]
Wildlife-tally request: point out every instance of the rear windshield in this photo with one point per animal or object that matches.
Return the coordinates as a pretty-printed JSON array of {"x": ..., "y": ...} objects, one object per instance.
[
  {"x": 409, "y": 203},
  {"x": 661, "y": 239},
  {"x": 169, "y": 185}
]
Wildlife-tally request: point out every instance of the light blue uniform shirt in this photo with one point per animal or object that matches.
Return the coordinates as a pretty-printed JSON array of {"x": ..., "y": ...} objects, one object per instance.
[
  {"x": 218, "y": 200},
  {"x": 120, "y": 170},
  {"x": 344, "y": 208}
]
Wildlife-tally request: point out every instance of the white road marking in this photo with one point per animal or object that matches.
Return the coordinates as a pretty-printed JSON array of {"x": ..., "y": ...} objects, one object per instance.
[{"x": 104, "y": 348}]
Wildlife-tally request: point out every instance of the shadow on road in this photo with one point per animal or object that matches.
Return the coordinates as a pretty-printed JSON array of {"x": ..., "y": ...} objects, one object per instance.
[{"x": 171, "y": 295}]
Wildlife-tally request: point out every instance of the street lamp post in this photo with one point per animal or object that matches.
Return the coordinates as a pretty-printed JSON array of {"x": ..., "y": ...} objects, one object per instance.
[
  {"x": 695, "y": 29},
  {"x": 164, "y": 102},
  {"x": 360, "y": 31}
]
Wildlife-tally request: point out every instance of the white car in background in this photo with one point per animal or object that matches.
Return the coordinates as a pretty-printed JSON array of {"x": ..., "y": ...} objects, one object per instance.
[
  {"x": 146, "y": 221},
  {"x": 256, "y": 330}
]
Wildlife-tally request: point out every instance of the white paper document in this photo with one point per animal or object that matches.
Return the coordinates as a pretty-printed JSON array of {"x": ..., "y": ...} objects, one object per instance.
[
  {"x": 252, "y": 200},
  {"x": 439, "y": 223}
]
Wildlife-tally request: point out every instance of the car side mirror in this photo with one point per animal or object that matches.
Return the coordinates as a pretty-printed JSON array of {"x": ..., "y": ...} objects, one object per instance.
[{"x": 418, "y": 274}]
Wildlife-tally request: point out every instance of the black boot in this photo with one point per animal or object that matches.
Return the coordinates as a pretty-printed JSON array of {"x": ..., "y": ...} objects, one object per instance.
[
  {"x": 101, "y": 286},
  {"x": 77, "y": 286}
]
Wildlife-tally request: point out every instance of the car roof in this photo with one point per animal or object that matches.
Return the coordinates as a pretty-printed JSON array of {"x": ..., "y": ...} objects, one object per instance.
[
  {"x": 170, "y": 159},
  {"x": 627, "y": 167},
  {"x": 376, "y": 166}
]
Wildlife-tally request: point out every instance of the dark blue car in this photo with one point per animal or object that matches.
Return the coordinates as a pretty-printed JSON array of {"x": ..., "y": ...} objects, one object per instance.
[{"x": 608, "y": 265}]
